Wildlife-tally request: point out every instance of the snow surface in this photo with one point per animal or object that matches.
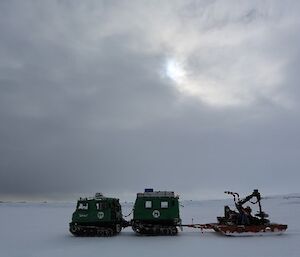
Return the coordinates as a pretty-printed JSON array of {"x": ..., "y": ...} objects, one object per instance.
[{"x": 41, "y": 230}]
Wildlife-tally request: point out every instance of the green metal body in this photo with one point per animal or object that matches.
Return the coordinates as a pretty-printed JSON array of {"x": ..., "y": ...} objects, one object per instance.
[
  {"x": 97, "y": 212},
  {"x": 157, "y": 208}
]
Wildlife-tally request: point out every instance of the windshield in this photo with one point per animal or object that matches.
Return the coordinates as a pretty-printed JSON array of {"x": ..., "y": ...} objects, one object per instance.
[{"x": 82, "y": 206}]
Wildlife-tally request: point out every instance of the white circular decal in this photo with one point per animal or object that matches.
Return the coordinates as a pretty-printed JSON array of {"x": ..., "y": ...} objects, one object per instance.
[
  {"x": 156, "y": 214},
  {"x": 100, "y": 215}
]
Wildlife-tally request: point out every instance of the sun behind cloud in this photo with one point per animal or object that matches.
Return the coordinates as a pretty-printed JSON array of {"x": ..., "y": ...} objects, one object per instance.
[
  {"x": 200, "y": 87},
  {"x": 175, "y": 71}
]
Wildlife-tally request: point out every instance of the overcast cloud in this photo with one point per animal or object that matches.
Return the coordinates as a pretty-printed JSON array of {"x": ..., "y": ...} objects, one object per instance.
[{"x": 114, "y": 96}]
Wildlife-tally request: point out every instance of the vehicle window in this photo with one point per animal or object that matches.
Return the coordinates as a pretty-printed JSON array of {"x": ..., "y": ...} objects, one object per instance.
[
  {"x": 83, "y": 206},
  {"x": 164, "y": 205},
  {"x": 148, "y": 204}
]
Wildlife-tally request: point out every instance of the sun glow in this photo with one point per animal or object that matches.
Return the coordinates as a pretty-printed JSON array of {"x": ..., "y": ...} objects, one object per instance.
[
  {"x": 217, "y": 87},
  {"x": 203, "y": 88},
  {"x": 175, "y": 71}
]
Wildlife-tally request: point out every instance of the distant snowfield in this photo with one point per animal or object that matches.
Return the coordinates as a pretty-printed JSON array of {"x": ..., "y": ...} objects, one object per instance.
[{"x": 41, "y": 230}]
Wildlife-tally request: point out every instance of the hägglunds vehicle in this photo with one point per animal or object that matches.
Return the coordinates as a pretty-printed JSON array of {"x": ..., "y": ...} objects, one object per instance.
[
  {"x": 97, "y": 216},
  {"x": 156, "y": 213}
]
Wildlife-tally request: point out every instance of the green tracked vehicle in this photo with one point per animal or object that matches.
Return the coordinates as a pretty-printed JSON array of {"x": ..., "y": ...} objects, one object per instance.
[
  {"x": 97, "y": 216},
  {"x": 156, "y": 213}
]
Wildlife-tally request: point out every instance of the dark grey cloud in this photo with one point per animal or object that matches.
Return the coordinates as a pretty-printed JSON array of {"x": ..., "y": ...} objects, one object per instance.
[{"x": 194, "y": 96}]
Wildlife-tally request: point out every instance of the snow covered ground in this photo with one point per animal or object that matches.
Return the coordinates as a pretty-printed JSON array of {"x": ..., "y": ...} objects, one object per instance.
[{"x": 41, "y": 230}]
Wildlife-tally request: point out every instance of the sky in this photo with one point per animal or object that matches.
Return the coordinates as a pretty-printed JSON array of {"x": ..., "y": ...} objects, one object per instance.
[{"x": 113, "y": 96}]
